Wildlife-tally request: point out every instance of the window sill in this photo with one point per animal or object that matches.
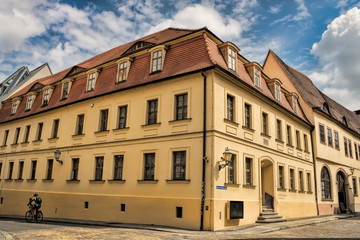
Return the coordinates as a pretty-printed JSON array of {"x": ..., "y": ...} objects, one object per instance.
[
  {"x": 309, "y": 192},
  {"x": 117, "y": 181},
  {"x": 31, "y": 180},
  {"x": 87, "y": 91},
  {"x": 181, "y": 120},
  {"x": 151, "y": 125},
  {"x": 9, "y": 180},
  {"x": 279, "y": 141},
  {"x": 301, "y": 192},
  {"x": 265, "y": 135},
  {"x": 299, "y": 149},
  {"x": 3, "y": 146},
  {"x": 120, "y": 129},
  {"x": 103, "y": 131},
  {"x": 24, "y": 143},
  {"x": 249, "y": 186},
  {"x": 27, "y": 110},
  {"x": 293, "y": 191},
  {"x": 179, "y": 181},
  {"x": 155, "y": 72},
  {"x": 72, "y": 180},
  {"x": 53, "y": 138},
  {"x": 307, "y": 152},
  {"x": 63, "y": 99},
  {"x": 290, "y": 146},
  {"x": 78, "y": 135},
  {"x": 120, "y": 82},
  {"x": 327, "y": 200},
  {"x": 48, "y": 180},
  {"x": 19, "y": 180},
  {"x": 14, "y": 145},
  {"x": 282, "y": 189},
  {"x": 248, "y": 129},
  {"x": 232, "y": 185},
  {"x": 37, "y": 141},
  {"x": 96, "y": 181},
  {"x": 148, "y": 181},
  {"x": 44, "y": 105},
  {"x": 231, "y": 122}
]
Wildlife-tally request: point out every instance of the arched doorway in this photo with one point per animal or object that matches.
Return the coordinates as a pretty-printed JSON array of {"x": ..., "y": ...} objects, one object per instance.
[
  {"x": 342, "y": 192},
  {"x": 267, "y": 183}
]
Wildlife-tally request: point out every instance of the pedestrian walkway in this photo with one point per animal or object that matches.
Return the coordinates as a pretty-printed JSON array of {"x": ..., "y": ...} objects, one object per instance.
[{"x": 253, "y": 229}]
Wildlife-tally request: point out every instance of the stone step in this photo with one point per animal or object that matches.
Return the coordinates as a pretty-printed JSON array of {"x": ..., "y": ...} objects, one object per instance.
[
  {"x": 264, "y": 217},
  {"x": 268, "y": 213},
  {"x": 271, "y": 220}
]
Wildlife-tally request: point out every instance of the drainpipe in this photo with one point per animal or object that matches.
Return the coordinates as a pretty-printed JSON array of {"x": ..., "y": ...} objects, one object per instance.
[
  {"x": 204, "y": 158},
  {"x": 315, "y": 173}
]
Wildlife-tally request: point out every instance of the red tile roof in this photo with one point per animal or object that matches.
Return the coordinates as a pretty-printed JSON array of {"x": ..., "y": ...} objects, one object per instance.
[
  {"x": 193, "y": 54},
  {"x": 315, "y": 98}
]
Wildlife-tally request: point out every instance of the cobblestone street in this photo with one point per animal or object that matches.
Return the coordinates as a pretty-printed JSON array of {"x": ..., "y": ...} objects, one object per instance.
[{"x": 329, "y": 228}]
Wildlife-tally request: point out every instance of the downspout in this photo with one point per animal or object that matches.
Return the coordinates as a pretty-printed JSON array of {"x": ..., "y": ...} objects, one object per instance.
[
  {"x": 204, "y": 158},
  {"x": 315, "y": 173}
]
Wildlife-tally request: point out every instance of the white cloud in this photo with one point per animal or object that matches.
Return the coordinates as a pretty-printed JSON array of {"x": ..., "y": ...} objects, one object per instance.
[
  {"x": 18, "y": 23},
  {"x": 275, "y": 9},
  {"x": 301, "y": 14},
  {"x": 339, "y": 55},
  {"x": 198, "y": 16}
]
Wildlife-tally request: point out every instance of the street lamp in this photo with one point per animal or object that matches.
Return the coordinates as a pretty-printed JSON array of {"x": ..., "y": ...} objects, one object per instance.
[
  {"x": 57, "y": 154},
  {"x": 352, "y": 171},
  {"x": 225, "y": 159}
]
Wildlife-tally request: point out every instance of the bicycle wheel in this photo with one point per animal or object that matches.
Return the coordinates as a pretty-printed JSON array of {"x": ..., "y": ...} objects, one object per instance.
[
  {"x": 29, "y": 216},
  {"x": 39, "y": 217}
]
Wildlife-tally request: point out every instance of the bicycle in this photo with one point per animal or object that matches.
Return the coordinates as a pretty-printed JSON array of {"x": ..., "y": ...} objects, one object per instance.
[{"x": 31, "y": 215}]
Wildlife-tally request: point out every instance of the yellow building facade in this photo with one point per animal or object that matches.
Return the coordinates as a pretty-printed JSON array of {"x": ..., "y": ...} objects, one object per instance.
[
  {"x": 144, "y": 131},
  {"x": 335, "y": 141}
]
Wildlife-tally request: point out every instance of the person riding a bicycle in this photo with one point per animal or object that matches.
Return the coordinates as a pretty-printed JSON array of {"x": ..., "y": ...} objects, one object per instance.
[{"x": 35, "y": 202}]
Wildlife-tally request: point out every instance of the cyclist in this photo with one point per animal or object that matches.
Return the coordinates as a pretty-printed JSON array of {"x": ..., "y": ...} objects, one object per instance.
[{"x": 37, "y": 202}]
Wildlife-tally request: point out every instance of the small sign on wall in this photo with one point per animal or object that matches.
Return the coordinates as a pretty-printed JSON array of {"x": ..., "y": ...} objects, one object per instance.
[{"x": 221, "y": 187}]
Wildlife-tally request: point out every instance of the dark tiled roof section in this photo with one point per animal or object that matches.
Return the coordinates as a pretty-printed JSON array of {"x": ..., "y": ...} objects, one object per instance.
[{"x": 316, "y": 98}]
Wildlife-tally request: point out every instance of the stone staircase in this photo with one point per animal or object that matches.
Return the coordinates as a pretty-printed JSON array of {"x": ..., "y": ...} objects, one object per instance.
[{"x": 269, "y": 216}]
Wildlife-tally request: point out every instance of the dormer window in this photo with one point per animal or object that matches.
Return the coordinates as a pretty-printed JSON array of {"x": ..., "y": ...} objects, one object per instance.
[
  {"x": 293, "y": 100},
  {"x": 157, "y": 58},
  {"x": 325, "y": 108},
  {"x": 294, "y": 103},
  {"x": 232, "y": 59},
  {"x": 46, "y": 97},
  {"x": 123, "y": 69},
  {"x": 344, "y": 121},
  {"x": 277, "y": 91},
  {"x": 91, "y": 81},
  {"x": 254, "y": 70},
  {"x": 14, "y": 106},
  {"x": 229, "y": 52},
  {"x": 156, "y": 61},
  {"x": 257, "y": 77},
  {"x": 29, "y": 102},
  {"x": 65, "y": 90}
]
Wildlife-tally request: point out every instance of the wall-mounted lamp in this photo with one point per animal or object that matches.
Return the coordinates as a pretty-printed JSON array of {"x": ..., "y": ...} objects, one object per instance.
[
  {"x": 225, "y": 159},
  {"x": 57, "y": 154}
]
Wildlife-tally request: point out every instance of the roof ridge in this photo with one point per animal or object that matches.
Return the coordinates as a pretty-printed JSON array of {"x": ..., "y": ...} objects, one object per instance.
[{"x": 212, "y": 60}]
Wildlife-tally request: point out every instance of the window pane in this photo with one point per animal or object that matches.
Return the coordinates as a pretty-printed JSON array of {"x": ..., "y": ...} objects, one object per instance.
[{"x": 179, "y": 165}]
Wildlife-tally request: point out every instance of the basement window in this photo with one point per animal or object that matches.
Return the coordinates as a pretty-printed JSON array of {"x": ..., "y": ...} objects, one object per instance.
[{"x": 179, "y": 212}]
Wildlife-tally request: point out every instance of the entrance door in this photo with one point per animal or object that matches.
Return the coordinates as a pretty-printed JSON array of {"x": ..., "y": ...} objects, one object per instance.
[
  {"x": 267, "y": 184},
  {"x": 341, "y": 192}
]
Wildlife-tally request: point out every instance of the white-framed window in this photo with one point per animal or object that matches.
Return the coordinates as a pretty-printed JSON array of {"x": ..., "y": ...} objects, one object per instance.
[
  {"x": 65, "y": 89},
  {"x": 294, "y": 103},
  {"x": 29, "y": 102},
  {"x": 232, "y": 59},
  {"x": 123, "y": 69},
  {"x": 157, "y": 58},
  {"x": 46, "y": 97},
  {"x": 91, "y": 80},
  {"x": 257, "y": 77},
  {"x": 277, "y": 92},
  {"x": 14, "y": 106}
]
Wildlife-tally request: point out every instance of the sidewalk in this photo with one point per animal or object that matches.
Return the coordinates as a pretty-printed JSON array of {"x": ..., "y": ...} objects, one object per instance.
[{"x": 253, "y": 229}]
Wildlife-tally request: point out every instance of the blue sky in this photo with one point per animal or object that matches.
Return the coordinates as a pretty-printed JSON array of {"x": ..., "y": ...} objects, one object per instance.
[{"x": 319, "y": 38}]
